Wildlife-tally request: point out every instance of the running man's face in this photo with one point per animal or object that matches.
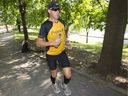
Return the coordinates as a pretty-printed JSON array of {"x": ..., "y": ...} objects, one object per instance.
[{"x": 54, "y": 13}]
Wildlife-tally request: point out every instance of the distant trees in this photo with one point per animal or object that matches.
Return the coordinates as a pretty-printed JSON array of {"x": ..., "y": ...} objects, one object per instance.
[
  {"x": 88, "y": 14},
  {"x": 85, "y": 14},
  {"x": 7, "y": 14}
]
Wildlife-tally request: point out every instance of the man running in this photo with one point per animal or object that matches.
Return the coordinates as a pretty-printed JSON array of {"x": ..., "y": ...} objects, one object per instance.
[{"x": 53, "y": 36}]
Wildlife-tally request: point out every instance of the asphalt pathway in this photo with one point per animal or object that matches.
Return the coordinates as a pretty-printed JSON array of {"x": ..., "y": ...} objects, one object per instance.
[{"x": 27, "y": 74}]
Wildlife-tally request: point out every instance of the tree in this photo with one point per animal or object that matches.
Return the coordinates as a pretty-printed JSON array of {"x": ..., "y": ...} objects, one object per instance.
[
  {"x": 89, "y": 14},
  {"x": 7, "y": 15},
  {"x": 35, "y": 12},
  {"x": 18, "y": 23},
  {"x": 111, "y": 54},
  {"x": 22, "y": 9}
]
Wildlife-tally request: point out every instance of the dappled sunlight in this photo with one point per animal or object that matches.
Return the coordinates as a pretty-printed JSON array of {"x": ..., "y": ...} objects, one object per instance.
[
  {"x": 33, "y": 55},
  {"x": 15, "y": 53},
  {"x": 46, "y": 83},
  {"x": 81, "y": 58},
  {"x": 46, "y": 71},
  {"x": 23, "y": 71},
  {"x": 33, "y": 37},
  {"x": 6, "y": 38},
  {"x": 2, "y": 44},
  {"x": 28, "y": 65},
  {"x": 6, "y": 77},
  {"x": 121, "y": 79},
  {"x": 32, "y": 30},
  {"x": 33, "y": 33},
  {"x": 18, "y": 36},
  {"x": 13, "y": 61},
  {"x": 24, "y": 77},
  {"x": 71, "y": 57}
]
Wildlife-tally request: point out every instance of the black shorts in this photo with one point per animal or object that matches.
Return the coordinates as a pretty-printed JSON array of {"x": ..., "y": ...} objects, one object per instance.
[{"x": 62, "y": 59}]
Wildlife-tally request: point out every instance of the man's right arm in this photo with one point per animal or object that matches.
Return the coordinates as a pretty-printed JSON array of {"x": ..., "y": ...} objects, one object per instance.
[{"x": 40, "y": 42}]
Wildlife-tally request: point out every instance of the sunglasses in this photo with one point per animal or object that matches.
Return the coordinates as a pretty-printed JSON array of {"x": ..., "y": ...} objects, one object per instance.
[{"x": 55, "y": 9}]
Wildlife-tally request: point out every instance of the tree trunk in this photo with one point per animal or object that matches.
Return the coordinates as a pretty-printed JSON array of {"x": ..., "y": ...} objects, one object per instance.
[
  {"x": 25, "y": 46},
  {"x": 22, "y": 9},
  {"x": 18, "y": 23},
  {"x": 111, "y": 54},
  {"x": 7, "y": 28},
  {"x": 87, "y": 31}
]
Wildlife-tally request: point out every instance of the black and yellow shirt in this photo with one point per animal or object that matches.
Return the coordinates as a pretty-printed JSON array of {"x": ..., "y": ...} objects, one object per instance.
[{"x": 50, "y": 31}]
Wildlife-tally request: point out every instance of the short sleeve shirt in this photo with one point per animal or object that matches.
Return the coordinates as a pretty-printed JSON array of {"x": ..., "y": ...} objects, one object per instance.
[{"x": 50, "y": 31}]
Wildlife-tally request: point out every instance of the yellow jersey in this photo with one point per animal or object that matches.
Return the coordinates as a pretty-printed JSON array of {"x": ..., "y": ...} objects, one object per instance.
[{"x": 52, "y": 30}]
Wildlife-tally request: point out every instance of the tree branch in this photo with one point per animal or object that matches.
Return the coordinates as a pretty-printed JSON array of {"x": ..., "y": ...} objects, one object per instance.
[{"x": 101, "y": 6}]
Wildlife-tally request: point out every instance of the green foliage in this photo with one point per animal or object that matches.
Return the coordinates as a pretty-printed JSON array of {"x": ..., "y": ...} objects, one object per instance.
[
  {"x": 125, "y": 51},
  {"x": 89, "y": 14},
  {"x": 7, "y": 11},
  {"x": 78, "y": 13},
  {"x": 36, "y": 12}
]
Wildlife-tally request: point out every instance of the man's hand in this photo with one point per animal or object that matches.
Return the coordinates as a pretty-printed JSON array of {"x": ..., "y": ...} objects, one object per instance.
[
  {"x": 55, "y": 42},
  {"x": 68, "y": 45},
  {"x": 42, "y": 43}
]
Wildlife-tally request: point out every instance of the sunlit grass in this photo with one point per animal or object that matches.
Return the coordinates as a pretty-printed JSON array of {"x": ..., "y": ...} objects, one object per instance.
[
  {"x": 18, "y": 36},
  {"x": 93, "y": 48},
  {"x": 125, "y": 51},
  {"x": 33, "y": 33},
  {"x": 96, "y": 48},
  {"x": 1, "y": 33}
]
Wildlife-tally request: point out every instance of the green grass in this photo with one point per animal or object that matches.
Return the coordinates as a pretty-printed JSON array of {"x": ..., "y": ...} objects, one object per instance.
[
  {"x": 1, "y": 33},
  {"x": 33, "y": 34},
  {"x": 93, "y": 48},
  {"x": 125, "y": 51},
  {"x": 96, "y": 48}
]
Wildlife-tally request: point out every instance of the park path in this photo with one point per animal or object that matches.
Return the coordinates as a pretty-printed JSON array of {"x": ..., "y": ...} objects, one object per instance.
[{"x": 27, "y": 74}]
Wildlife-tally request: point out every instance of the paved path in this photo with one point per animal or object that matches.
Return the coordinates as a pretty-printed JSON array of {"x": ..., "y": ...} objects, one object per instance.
[{"x": 28, "y": 75}]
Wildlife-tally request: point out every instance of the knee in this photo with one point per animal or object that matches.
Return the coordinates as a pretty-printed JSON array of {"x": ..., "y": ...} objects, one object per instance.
[
  {"x": 68, "y": 76},
  {"x": 54, "y": 73},
  {"x": 67, "y": 73}
]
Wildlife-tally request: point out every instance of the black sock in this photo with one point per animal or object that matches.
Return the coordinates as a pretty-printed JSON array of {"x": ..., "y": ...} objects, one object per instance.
[
  {"x": 66, "y": 80},
  {"x": 53, "y": 80}
]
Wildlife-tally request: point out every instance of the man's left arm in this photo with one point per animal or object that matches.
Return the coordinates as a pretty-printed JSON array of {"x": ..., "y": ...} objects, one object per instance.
[{"x": 67, "y": 42}]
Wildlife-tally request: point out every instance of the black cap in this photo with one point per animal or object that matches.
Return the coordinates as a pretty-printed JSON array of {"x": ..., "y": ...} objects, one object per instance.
[{"x": 53, "y": 5}]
